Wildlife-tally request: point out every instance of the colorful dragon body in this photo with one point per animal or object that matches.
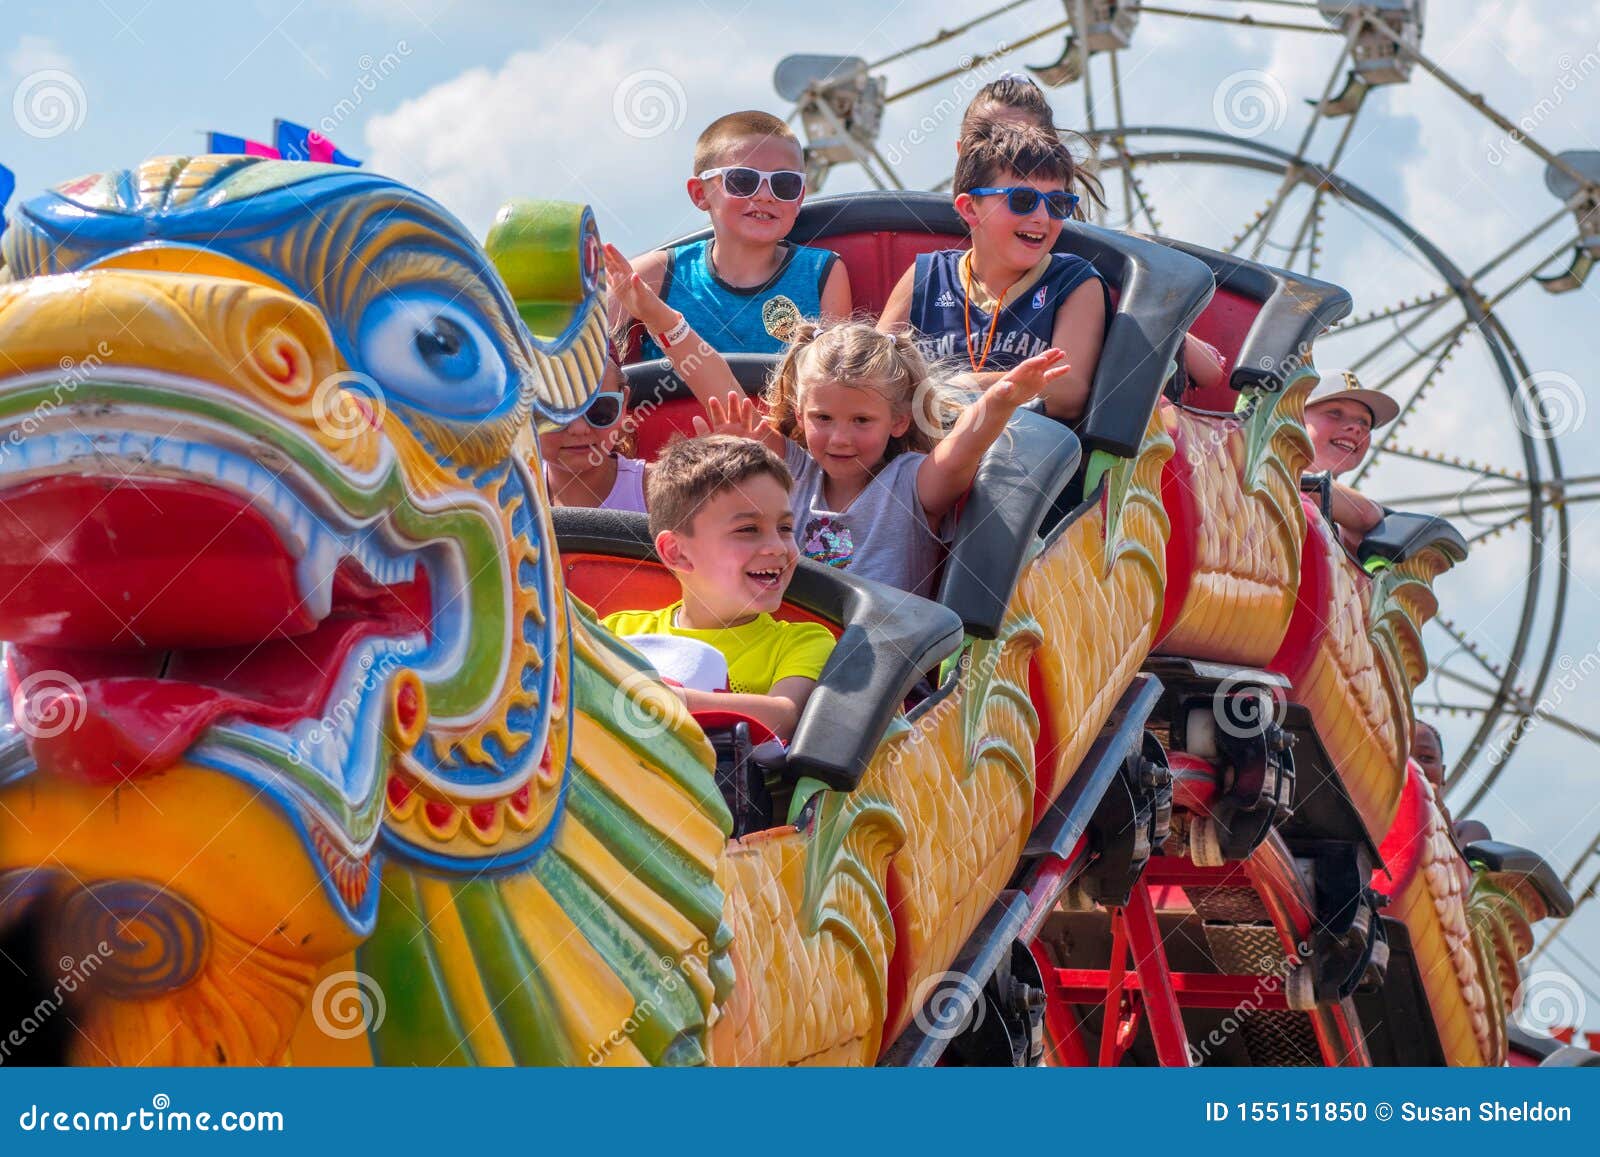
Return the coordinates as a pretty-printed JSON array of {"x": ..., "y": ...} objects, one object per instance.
[{"x": 299, "y": 703}]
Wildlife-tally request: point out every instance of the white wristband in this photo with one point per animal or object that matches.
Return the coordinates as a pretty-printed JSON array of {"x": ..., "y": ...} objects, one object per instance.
[{"x": 674, "y": 335}]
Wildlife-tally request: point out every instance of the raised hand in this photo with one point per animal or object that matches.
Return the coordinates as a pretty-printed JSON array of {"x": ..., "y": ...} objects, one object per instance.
[
  {"x": 738, "y": 415},
  {"x": 1030, "y": 379},
  {"x": 637, "y": 299}
]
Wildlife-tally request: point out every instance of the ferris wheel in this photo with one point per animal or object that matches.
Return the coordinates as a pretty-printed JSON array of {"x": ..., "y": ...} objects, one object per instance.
[{"x": 1431, "y": 328}]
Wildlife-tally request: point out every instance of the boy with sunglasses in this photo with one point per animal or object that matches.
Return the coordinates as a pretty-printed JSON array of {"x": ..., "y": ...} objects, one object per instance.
[
  {"x": 741, "y": 290},
  {"x": 1009, "y": 298}
]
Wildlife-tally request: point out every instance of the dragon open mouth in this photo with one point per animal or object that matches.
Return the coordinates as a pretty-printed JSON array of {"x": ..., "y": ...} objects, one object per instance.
[{"x": 145, "y": 610}]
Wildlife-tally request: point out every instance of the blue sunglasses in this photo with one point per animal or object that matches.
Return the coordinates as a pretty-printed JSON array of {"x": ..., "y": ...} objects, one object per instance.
[{"x": 1024, "y": 199}]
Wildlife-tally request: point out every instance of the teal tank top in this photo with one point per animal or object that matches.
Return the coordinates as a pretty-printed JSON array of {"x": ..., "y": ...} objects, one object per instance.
[{"x": 730, "y": 318}]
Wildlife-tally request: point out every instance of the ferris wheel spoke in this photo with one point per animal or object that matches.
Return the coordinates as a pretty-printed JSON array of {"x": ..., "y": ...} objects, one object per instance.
[
  {"x": 1118, "y": 142},
  {"x": 1499, "y": 528},
  {"x": 1472, "y": 651},
  {"x": 1454, "y": 462},
  {"x": 1529, "y": 712},
  {"x": 1517, "y": 133},
  {"x": 1396, "y": 310},
  {"x": 1594, "y": 846},
  {"x": 1246, "y": 21},
  {"x": 1410, "y": 404},
  {"x": 1434, "y": 302}
]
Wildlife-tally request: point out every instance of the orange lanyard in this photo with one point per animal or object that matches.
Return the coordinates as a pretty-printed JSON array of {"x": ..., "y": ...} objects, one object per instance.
[{"x": 966, "y": 322}]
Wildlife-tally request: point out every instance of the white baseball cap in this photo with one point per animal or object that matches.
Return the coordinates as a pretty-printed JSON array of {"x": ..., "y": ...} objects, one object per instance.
[{"x": 1338, "y": 384}]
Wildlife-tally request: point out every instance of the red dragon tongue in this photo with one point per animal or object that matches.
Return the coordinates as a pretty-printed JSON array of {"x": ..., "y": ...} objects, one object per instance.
[{"x": 106, "y": 731}]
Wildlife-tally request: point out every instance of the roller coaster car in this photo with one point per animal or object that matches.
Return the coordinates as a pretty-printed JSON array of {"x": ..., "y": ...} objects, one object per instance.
[{"x": 1263, "y": 792}]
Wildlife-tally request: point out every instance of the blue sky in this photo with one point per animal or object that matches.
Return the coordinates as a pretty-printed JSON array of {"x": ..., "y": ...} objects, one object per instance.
[{"x": 477, "y": 101}]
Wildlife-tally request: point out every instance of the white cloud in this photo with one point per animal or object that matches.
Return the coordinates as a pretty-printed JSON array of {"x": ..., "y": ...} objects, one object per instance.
[
  {"x": 36, "y": 54},
  {"x": 610, "y": 123}
]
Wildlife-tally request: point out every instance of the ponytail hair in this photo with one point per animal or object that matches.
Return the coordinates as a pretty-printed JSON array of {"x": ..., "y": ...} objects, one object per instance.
[
  {"x": 1019, "y": 95},
  {"x": 853, "y": 353}
]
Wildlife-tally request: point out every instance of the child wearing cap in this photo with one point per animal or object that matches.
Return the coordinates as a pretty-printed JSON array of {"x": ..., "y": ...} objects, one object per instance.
[{"x": 1340, "y": 417}]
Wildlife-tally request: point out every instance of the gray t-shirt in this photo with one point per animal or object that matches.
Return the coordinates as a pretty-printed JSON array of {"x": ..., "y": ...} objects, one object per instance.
[{"x": 883, "y": 535}]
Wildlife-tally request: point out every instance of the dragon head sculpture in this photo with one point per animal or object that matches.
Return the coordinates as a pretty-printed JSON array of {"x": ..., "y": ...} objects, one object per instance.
[{"x": 280, "y": 595}]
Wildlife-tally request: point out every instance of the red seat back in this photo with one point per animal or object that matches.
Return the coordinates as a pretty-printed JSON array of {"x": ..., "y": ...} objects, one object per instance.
[
  {"x": 1224, "y": 323},
  {"x": 876, "y": 261},
  {"x": 609, "y": 584}
]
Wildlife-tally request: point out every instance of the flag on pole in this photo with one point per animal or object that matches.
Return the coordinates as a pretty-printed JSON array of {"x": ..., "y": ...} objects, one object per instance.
[
  {"x": 298, "y": 143},
  {"x": 291, "y": 142}
]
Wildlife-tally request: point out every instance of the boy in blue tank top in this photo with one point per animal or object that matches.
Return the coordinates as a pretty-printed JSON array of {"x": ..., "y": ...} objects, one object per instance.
[
  {"x": 741, "y": 290},
  {"x": 1009, "y": 298}
]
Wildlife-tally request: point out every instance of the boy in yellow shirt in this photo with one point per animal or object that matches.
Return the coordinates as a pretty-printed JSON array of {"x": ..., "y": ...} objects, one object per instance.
[{"x": 719, "y": 510}]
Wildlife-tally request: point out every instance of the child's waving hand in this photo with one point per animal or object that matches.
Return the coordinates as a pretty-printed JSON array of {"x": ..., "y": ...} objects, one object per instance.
[
  {"x": 637, "y": 299},
  {"x": 739, "y": 416},
  {"x": 1031, "y": 379}
]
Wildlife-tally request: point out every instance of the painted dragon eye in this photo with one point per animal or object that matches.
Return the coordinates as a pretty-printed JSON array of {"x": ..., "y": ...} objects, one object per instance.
[
  {"x": 433, "y": 353},
  {"x": 447, "y": 348}
]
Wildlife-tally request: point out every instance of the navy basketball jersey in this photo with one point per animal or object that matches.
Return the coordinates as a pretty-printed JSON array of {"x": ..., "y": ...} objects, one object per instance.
[{"x": 1026, "y": 323}]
